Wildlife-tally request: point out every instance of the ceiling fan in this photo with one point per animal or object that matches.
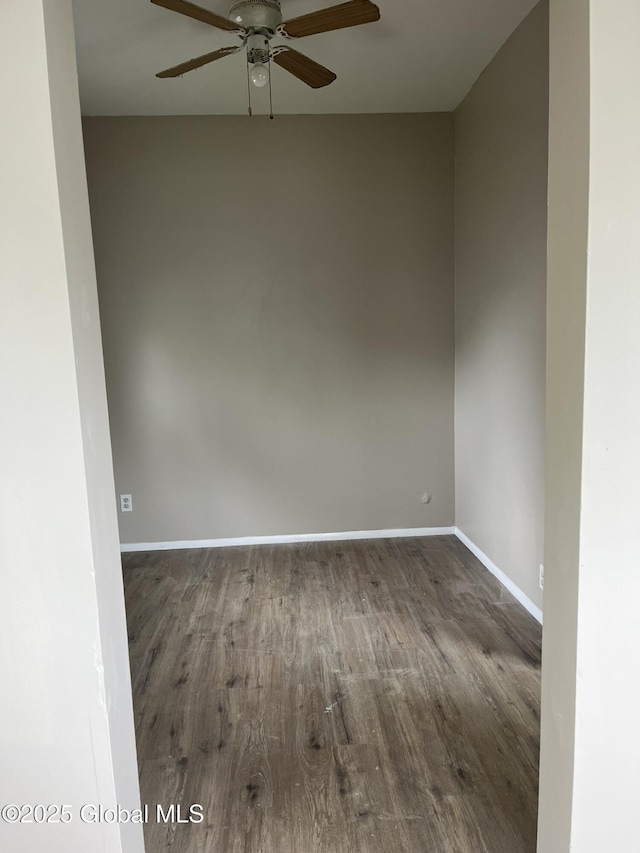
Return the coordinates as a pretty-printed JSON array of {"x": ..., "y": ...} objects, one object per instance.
[{"x": 257, "y": 22}]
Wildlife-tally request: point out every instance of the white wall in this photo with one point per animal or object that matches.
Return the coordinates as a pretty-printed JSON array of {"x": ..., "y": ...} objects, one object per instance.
[
  {"x": 566, "y": 305},
  {"x": 501, "y": 228},
  {"x": 66, "y": 726},
  {"x": 590, "y": 759}
]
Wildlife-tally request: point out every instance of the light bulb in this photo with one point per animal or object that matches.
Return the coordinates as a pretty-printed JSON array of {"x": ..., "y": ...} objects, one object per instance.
[{"x": 259, "y": 75}]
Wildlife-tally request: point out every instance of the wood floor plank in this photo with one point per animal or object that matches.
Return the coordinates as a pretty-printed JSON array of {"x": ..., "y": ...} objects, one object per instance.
[{"x": 352, "y": 697}]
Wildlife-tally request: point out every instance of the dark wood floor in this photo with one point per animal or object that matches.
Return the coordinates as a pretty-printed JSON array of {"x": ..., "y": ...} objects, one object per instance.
[{"x": 351, "y": 697}]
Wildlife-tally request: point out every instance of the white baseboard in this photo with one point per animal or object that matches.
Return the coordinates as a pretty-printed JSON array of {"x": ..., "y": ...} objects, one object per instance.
[
  {"x": 515, "y": 591},
  {"x": 296, "y": 537}
]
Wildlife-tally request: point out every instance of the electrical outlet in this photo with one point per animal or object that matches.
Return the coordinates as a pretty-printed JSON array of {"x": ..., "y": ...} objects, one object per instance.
[
  {"x": 126, "y": 503},
  {"x": 541, "y": 576}
]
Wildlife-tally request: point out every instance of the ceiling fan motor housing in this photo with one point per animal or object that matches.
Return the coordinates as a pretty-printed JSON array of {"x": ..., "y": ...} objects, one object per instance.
[
  {"x": 258, "y": 48},
  {"x": 256, "y": 14}
]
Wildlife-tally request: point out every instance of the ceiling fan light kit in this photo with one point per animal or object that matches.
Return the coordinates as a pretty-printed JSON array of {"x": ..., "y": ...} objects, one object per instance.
[{"x": 256, "y": 23}]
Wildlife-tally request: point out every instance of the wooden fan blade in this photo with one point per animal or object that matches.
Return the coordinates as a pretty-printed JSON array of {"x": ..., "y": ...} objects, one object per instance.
[
  {"x": 305, "y": 69},
  {"x": 199, "y": 61},
  {"x": 350, "y": 14},
  {"x": 198, "y": 14}
]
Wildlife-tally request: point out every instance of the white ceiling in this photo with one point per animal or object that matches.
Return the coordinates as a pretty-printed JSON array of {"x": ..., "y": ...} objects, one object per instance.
[{"x": 424, "y": 55}]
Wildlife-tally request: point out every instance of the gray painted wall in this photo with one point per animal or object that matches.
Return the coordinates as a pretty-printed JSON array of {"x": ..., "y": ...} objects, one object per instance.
[
  {"x": 501, "y": 230},
  {"x": 277, "y": 310}
]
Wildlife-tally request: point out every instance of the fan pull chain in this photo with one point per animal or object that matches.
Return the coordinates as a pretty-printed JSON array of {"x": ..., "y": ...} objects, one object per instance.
[
  {"x": 270, "y": 92},
  {"x": 249, "y": 87}
]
